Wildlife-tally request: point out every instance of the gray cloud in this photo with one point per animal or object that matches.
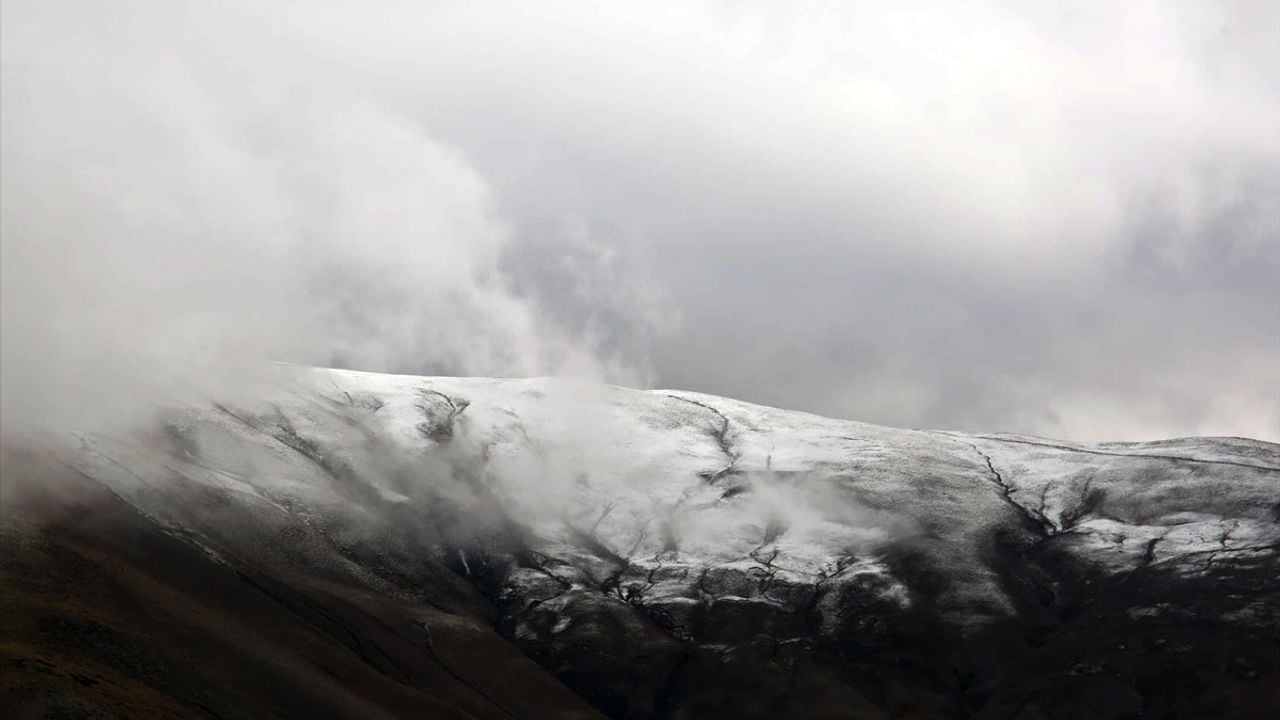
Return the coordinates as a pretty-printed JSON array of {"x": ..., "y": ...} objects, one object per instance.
[{"x": 1013, "y": 216}]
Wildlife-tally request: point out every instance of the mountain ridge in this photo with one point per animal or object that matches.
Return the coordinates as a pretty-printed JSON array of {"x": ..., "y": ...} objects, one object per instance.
[{"x": 642, "y": 554}]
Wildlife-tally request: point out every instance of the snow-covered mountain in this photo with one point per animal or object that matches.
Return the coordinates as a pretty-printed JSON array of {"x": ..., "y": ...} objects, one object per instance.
[{"x": 357, "y": 545}]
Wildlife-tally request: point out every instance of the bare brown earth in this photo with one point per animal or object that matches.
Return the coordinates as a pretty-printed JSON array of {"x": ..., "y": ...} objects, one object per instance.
[{"x": 107, "y": 616}]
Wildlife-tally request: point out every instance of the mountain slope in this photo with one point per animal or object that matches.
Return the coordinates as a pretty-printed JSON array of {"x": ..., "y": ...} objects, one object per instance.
[{"x": 355, "y": 545}]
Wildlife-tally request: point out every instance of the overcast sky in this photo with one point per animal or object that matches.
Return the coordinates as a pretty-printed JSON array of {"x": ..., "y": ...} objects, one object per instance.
[{"x": 1052, "y": 218}]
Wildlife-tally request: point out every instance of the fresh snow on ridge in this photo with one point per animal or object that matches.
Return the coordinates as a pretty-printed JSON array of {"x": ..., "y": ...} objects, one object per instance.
[{"x": 665, "y": 498}]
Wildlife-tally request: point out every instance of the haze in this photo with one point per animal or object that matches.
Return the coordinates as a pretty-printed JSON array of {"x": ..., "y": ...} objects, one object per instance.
[{"x": 1053, "y": 219}]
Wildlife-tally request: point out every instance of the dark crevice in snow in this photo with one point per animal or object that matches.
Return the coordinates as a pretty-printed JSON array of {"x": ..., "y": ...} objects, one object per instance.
[
  {"x": 608, "y": 508},
  {"x": 635, "y": 593},
  {"x": 280, "y": 428},
  {"x": 538, "y": 561},
  {"x": 532, "y": 444},
  {"x": 1036, "y": 517},
  {"x": 767, "y": 571},
  {"x": 1089, "y": 502},
  {"x": 1149, "y": 552},
  {"x": 440, "y": 429},
  {"x": 825, "y": 575},
  {"x": 347, "y": 481},
  {"x": 719, "y": 433},
  {"x": 620, "y": 564}
]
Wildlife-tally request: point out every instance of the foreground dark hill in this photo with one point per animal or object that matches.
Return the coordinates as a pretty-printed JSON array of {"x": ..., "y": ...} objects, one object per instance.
[{"x": 349, "y": 545}]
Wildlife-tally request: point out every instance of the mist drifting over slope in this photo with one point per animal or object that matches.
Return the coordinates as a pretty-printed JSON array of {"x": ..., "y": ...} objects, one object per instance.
[
  {"x": 1059, "y": 221},
  {"x": 348, "y": 544},
  {"x": 170, "y": 220}
]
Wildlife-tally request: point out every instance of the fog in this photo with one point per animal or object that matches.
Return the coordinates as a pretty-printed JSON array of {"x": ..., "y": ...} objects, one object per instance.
[{"x": 1014, "y": 217}]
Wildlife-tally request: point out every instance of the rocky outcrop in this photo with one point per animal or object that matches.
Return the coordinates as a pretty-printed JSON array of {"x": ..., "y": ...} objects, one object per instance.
[{"x": 354, "y": 545}]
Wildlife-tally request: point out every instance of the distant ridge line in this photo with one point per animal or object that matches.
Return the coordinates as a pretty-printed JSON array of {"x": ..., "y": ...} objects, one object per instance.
[{"x": 1173, "y": 458}]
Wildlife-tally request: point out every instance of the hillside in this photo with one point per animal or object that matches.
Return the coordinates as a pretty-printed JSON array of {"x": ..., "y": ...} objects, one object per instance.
[{"x": 346, "y": 544}]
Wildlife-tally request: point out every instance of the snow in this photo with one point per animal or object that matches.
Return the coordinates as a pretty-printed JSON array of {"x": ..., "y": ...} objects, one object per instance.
[{"x": 663, "y": 489}]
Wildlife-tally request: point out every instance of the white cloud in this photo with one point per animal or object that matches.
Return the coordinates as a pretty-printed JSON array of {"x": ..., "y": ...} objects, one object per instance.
[{"x": 989, "y": 210}]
